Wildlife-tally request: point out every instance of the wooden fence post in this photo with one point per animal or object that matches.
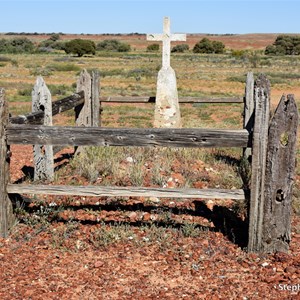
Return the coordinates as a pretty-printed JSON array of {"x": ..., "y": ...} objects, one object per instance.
[
  {"x": 95, "y": 99},
  {"x": 6, "y": 209},
  {"x": 43, "y": 154},
  {"x": 259, "y": 154},
  {"x": 249, "y": 109},
  {"x": 88, "y": 114},
  {"x": 280, "y": 172}
]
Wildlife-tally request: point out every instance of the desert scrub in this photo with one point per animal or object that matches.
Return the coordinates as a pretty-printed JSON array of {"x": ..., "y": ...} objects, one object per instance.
[
  {"x": 63, "y": 67},
  {"x": 41, "y": 71},
  {"x": 60, "y": 89},
  {"x": 95, "y": 162},
  {"x": 110, "y": 234}
]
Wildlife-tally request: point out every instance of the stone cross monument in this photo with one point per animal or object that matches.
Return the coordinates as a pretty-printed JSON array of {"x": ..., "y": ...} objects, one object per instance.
[{"x": 167, "y": 113}]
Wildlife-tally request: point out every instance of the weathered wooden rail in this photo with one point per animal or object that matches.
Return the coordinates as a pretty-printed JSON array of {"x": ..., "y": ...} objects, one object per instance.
[
  {"x": 99, "y": 191},
  {"x": 58, "y": 107},
  {"x": 269, "y": 146},
  {"x": 139, "y": 137},
  {"x": 141, "y": 99}
]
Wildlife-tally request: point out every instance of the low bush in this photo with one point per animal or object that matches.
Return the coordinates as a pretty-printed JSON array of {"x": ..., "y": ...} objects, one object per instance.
[
  {"x": 153, "y": 48},
  {"x": 113, "y": 45},
  {"x": 180, "y": 48},
  {"x": 208, "y": 46},
  {"x": 80, "y": 47},
  {"x": 64, "y": 67},
  {"x": 16, "y": 45}
]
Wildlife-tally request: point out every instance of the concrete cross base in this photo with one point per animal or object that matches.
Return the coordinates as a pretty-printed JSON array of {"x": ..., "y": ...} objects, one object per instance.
[{"x": 167, "y": 112}]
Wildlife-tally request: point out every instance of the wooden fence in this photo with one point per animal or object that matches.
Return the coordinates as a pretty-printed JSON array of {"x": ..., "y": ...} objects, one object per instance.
[
  {"x": 269, "y": 145},
  {"x": 86, "y": 104}
]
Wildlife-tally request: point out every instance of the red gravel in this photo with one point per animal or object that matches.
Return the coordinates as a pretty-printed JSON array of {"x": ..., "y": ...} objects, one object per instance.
[{"x": 71, "y": 259}]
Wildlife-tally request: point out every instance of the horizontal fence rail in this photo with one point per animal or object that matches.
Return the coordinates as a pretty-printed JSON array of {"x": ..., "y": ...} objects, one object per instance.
[
  {"x": 113, "y": 191},
  {"x": 58, "y": 106},
  {"x": 93, "y": 136},
  {"x": 145, "y": 99}
]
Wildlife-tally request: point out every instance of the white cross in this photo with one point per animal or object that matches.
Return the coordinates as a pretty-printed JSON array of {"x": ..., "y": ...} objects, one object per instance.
[{"x": 166, "y": 38}]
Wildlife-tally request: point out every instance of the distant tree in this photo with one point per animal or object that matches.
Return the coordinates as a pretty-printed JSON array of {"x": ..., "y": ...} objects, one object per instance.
[
  {"x": 180, "y": 48},
  {"x": 203, "y": 46},
  {"x": 284, "y": 45},
  {"x": 218, "y": 47},
  {"x": 153, "y": 47},
  {"x": 297, "y": 49},
  {"x": 4, "y": 45},
  {"x": 113, "y": 45},
  {"x": 54, "y": 37},
  {"x": 80, "y": 47},
  {"x": 16, "y": 45},
  {"x": 208, "y": 46},
  {"x": 52, "y": 43}
]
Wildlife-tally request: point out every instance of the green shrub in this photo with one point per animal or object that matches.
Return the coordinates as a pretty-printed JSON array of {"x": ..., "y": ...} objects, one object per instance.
[
  {"x": 140, "y": 72},
  {"x": 25, "y": 92},
  {"x": 180, "y": 48},
  {"x": 58, "y": 89},
  {"x": 17, "y": 45},
  {"x": 80, "y": 47},
  {"x": 40, "y": 71},
  {"x": 113, "y": 45},
  {"x": 208, "y": 46},
  {"x": 54, "y": 37},
  {"x": 49, "y": 45},
  {"x": 239, "y": 53},
  {"x": 284, "y": 45},
  {"x": 64, "y": 67},
  {"x": 153, "y": 48}
]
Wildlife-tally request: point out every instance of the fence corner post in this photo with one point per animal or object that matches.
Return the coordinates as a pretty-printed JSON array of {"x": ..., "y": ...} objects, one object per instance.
[
  {"x": 43, "y": 154},
  {"x": 258, "y": 164},
  {"x": 280, "y": 172},
  {"x": 6, "y": 208}
]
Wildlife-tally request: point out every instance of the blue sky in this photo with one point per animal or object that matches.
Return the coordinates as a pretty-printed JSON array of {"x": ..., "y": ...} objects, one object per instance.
[{"x": 144, "y": 16}]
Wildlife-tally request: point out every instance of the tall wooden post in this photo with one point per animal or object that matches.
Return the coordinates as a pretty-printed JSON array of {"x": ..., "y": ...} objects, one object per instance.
[
  {"x": 43, "y": 154},
  {"x": 88, "y": 114},
  {"x": 249, "y": 109},
  {"x": 95, "y": 99},
  {"x": 259, "y": 156},
  {"x": 6, "y": 210},
  {"x": 279, "y": 178}
]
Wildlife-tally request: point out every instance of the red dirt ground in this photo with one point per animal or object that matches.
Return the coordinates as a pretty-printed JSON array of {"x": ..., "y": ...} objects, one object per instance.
[{"x": 61, "y": 260}]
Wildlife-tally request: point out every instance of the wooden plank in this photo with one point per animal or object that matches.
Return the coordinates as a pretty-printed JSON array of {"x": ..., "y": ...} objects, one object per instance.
[
  {"x": 32, "y": 118},
  {"x": 42, "y": 153},
  {"x": 113, "y": 191},
  {"x": 165, "y": 137},
  {"x": 58, "y": 106},
  {"x": 280, "y": 176},
  {"x": 67, "y": 103},
  {"x": 95, "y": 103},
  {"x": 145, "y": 99},
  {"x": 259, "y": 154},
  {"x": 6, "y": 210}
]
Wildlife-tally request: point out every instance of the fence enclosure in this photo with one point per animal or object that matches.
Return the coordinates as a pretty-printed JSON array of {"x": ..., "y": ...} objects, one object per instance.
[{"x": 270, "y": 149}]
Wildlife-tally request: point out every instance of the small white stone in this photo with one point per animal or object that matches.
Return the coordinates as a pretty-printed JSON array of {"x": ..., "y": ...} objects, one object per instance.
[
  {"x": 129, "y": 159},
  {"x": 154, "y": 199}
]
